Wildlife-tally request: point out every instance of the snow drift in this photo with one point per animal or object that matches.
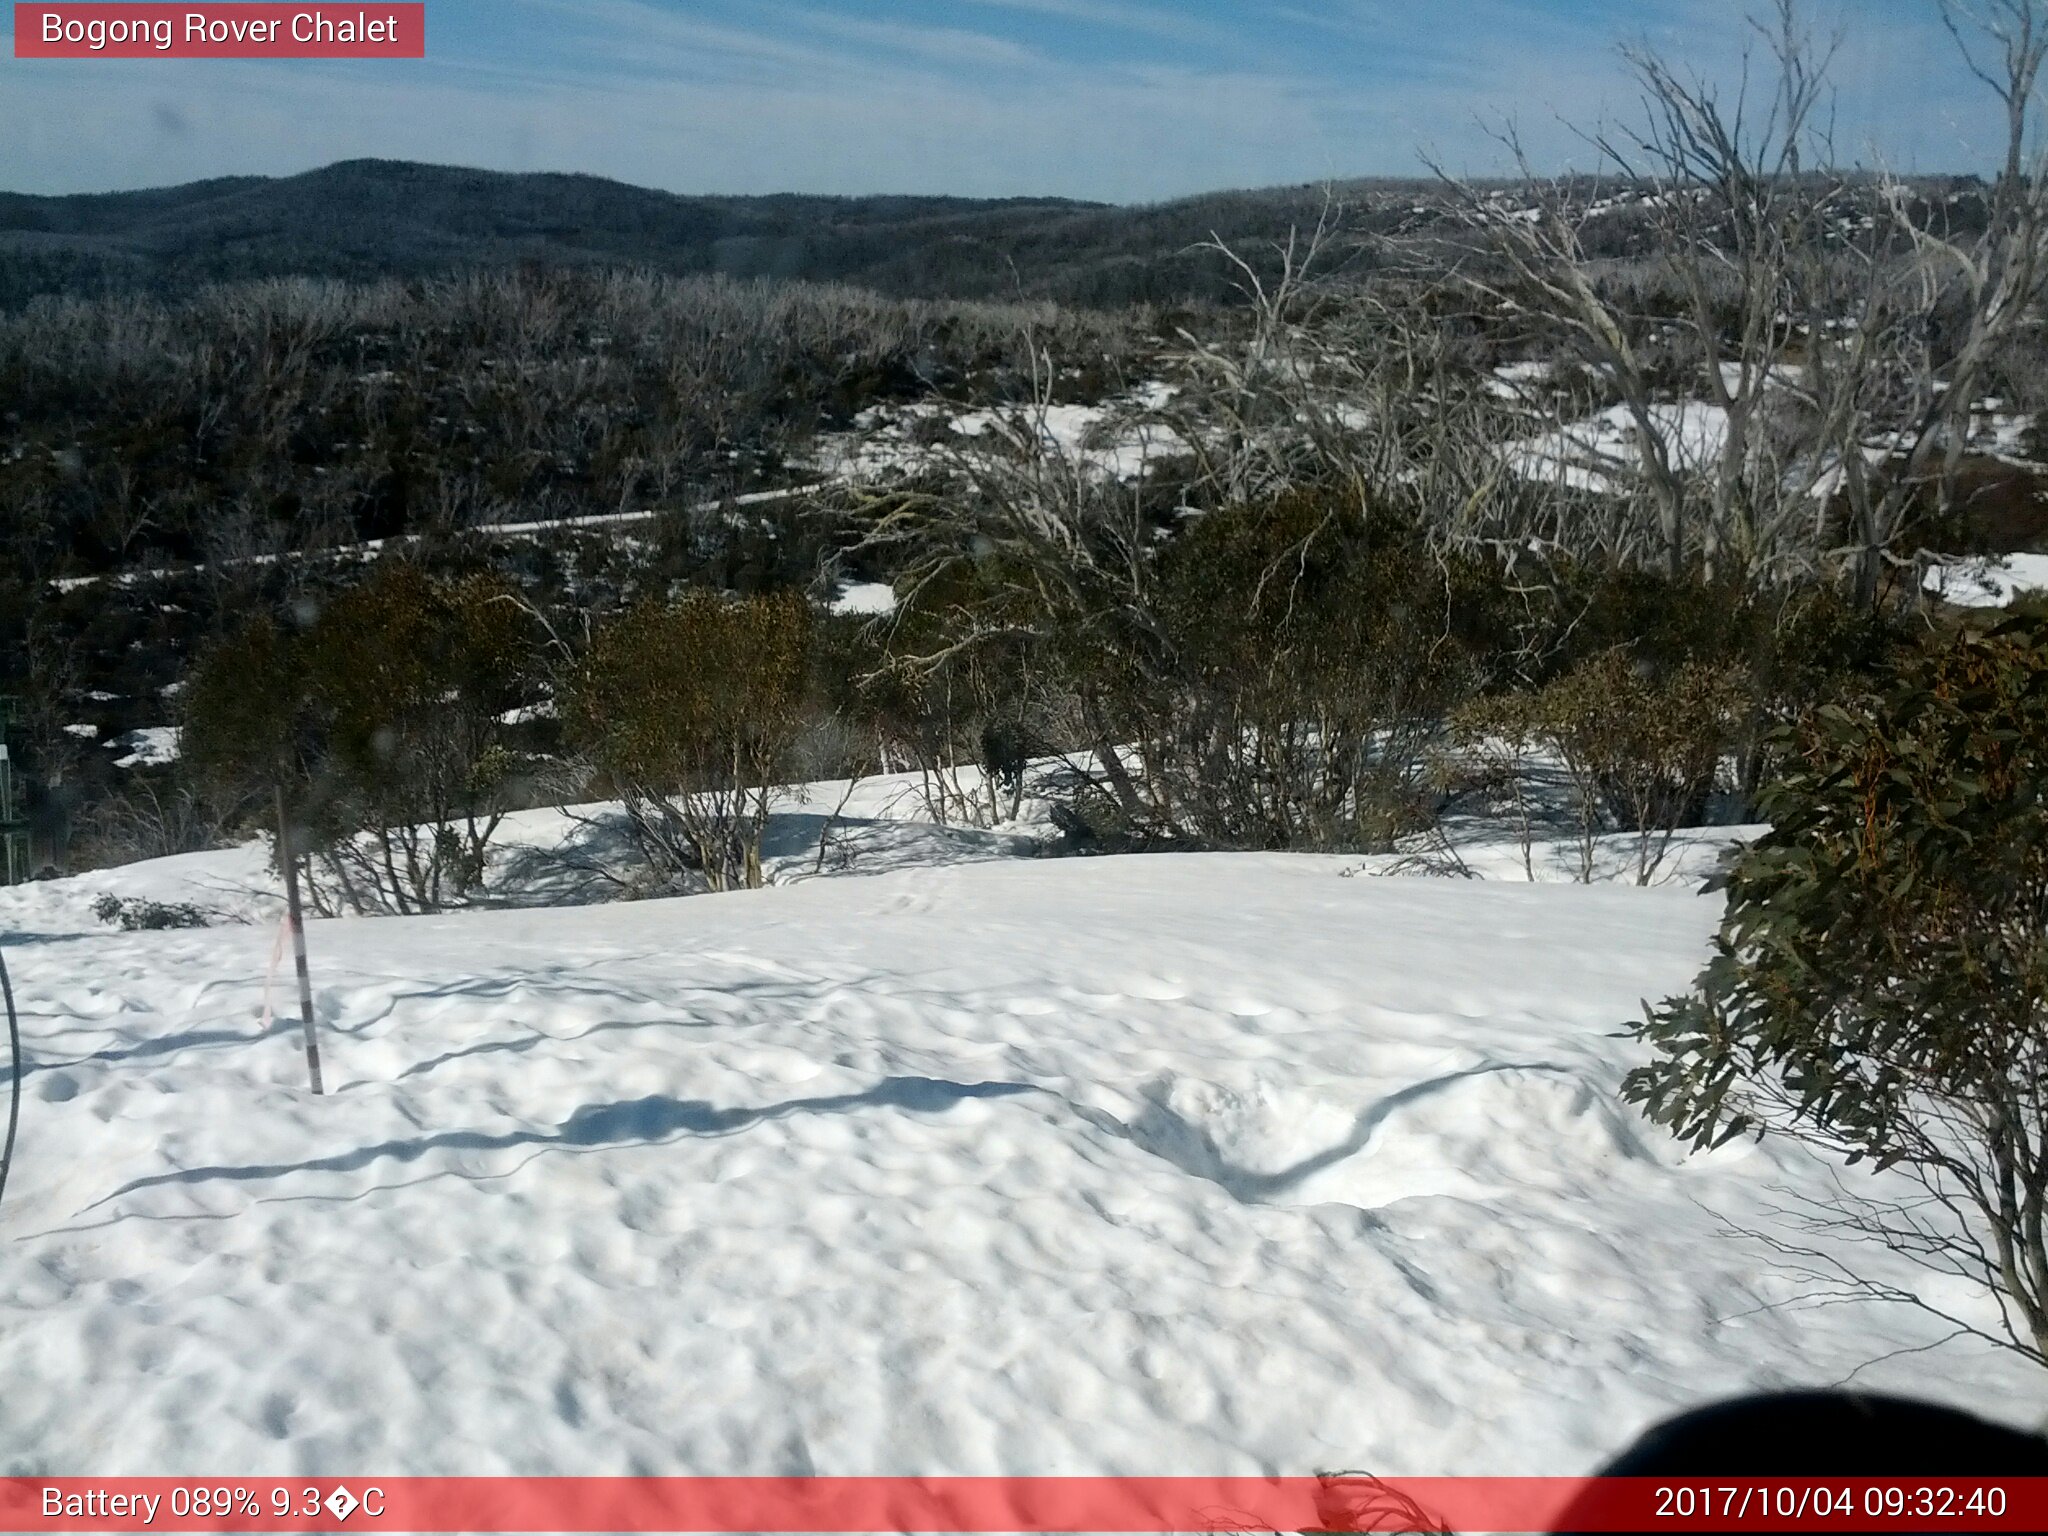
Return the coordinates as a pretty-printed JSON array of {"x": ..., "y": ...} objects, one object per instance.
[{"x": 1171, "y": 1164}]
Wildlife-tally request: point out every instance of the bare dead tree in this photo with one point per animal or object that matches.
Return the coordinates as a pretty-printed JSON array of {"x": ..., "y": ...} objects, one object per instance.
[
  {"x": 1815, "y": 306},
  {"x": 1546, "y": 273},
  {"x": 1997, "y": 276},
  {"x": 1074, "y": 543}
]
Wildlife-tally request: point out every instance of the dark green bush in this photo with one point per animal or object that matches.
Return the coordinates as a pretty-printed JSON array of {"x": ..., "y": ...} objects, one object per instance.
[
  {"x": 380, "y": 719},
  {"x": 691, "y": 710},
  {"x": 1282, "y": 684},
  {"x": 133, "y": 914},
  {"x": 959, "y": 688},
  {"x": 1880, "y": 984},
  {"x": 1640, "y": 748}
]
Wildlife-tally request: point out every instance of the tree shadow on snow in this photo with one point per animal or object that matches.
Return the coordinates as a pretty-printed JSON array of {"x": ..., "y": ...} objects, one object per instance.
[
  {"x": 1167, "y": 1134},
  {"x": 635, "y": 1122}
]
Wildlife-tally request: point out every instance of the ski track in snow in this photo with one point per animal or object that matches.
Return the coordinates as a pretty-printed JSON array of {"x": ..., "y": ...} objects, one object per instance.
[{"x": 1155, "y": 1165}]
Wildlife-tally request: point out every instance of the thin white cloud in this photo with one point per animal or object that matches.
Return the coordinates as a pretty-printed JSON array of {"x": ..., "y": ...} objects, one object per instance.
[
  {"x": 943, "y": 45},
  {"x": 1165, "y": 22}
]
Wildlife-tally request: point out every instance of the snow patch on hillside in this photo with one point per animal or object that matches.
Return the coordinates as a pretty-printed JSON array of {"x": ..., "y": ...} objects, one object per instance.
[
  {"x": 1602, "y": 452},
  {"x": 150, "y": 746},
  {"x": 1989, "y": 582},
  {"x": 1112, "y": 440}
]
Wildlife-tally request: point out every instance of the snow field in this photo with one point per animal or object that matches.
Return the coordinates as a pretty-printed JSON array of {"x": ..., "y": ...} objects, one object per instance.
[{"x": 1171, "y": 1164}]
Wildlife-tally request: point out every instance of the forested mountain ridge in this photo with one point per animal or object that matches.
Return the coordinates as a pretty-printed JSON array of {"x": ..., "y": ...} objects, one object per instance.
[{"x": 379, "y": 218}]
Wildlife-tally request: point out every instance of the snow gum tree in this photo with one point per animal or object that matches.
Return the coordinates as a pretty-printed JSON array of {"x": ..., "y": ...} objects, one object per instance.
[
  {"x": 1832, "y": 329},
  {"x": 1879, "y": 988}
]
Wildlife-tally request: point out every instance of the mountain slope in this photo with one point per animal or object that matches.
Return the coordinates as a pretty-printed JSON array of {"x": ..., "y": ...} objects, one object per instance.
[{"x": 371, "y": 218}]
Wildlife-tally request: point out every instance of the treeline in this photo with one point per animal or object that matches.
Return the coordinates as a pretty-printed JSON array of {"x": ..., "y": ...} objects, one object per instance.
[
  {"x": 1289, "y": 675},
  {"x": 164, "y": 463},
  {"x": 298, "y": 414},
  {"x": 367, "y": 220}
]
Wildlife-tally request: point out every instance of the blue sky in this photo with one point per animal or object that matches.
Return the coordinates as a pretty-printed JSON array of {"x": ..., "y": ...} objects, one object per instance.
[{"x": 1120, "y": 100}]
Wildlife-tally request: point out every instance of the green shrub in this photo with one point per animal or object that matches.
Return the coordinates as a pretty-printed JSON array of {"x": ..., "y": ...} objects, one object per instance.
[
  {"x": 1782, "y": 650},
  {"x": 407, "y": 675},
  {"x": 381, "y": 721},
  {"x": 959, "y": 689},
  {"x": 1880, "y": 984},
  {"x": 243, "y": 714},
  {"x": 133, "y": 914},
  {"x": 1283, "y": 682},
  {"x": 1639, "y": 752},
  {"x": 691, "y": 709}
]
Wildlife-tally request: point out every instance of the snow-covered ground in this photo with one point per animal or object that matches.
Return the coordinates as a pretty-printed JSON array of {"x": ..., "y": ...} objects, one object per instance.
[
  {"x": 580, "y": 854},
  {"x": 1168, "y": 1164},
  {"x": 864, "y": 598},
  {"x": 1113, "y": 440},
  {"x": 1521, "y": 381},
  {"x": 152, "y": 744},
  {"x": 1988, "y": 581},
  {"x": 1601, "y": 452}
]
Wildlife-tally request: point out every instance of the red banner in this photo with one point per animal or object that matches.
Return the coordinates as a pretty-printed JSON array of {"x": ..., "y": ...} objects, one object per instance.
[
  {"x": 1050, "y": 1504},
  {"x": 218, "y": 31}
]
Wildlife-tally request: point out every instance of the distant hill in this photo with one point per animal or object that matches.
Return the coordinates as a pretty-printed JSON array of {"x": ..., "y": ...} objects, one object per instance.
[
  {"x": 378, "y": 218},
  {"x": 388, "y": 218}
]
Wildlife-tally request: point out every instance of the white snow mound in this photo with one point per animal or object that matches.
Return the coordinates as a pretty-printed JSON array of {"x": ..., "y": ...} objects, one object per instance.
[{"x": 1169, "y": 1164}]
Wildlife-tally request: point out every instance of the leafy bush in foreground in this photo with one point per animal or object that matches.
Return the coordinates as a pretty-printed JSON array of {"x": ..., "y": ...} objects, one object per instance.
[{"x": 1880, "y": 983}]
